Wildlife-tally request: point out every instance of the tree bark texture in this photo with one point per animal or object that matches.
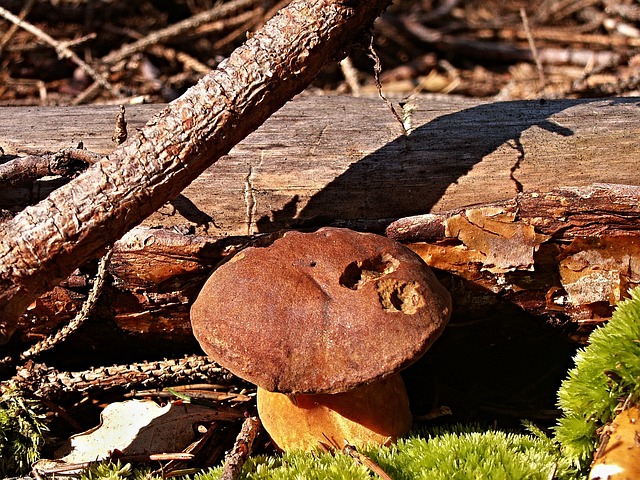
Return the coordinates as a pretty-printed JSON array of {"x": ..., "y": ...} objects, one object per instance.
[
  {"x": 569, "y": 254},
  {"x": 43, "y": 244}
]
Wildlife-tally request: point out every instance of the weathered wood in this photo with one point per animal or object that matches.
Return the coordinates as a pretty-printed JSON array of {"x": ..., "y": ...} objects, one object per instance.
[
  {"x": 44, "y": 243},
  {"x": 342, "y": 158}
]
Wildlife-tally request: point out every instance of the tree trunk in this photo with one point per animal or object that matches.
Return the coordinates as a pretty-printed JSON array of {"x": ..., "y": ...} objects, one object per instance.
[{"x": 43, "y": 244}]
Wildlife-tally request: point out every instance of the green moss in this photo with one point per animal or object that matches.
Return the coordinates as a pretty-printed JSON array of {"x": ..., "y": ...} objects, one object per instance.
[
  {"x": 116, "y": 471},
  {"x": 446, "y": 453},
  {"x": 606, "y": 373},
  {"x": 21, "y": 432}
]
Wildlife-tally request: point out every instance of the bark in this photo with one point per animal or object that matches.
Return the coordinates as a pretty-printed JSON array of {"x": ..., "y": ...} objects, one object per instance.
[
  {"x": 43, "y": 244},
  {"x": 569, "y": 254},
  {"x": 242, "y": 448}
]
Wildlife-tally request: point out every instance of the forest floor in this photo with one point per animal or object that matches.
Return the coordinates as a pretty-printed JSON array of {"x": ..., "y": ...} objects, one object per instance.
[
  {"x": 144, "y": 51},
  {"x": 149, "y": 51}
]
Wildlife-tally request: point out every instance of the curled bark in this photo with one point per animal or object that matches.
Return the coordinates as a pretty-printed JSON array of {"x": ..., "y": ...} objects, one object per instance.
[
  {"x": 45, "y": 243},
  {"x": 568, "y": 254}
]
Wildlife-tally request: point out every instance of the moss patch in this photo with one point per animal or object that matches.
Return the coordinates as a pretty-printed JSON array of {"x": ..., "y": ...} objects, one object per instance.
[{"x": 606, "y": 374}]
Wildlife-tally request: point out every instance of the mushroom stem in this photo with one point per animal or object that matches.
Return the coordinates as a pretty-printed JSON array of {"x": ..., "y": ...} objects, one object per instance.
[{"x": 376, "y": 413}]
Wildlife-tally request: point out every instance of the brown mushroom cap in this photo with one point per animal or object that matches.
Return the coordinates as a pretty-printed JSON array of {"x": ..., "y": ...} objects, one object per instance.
[{"x": 320, "y": 312}]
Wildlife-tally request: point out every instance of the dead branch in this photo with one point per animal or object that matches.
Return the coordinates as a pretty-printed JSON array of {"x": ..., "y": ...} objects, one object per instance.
[
  {"x": 217, "y": 12},
  {"x": 26, "y": 8},
  {"x": 241, "y": 449},
  {"x": 66, "y": 163},
  {"x": 48, "y": 383},
  {"x": 88, "y": 307},
  {"x": 43, "y": 244},
  {"x": 61, "y": 48},
  {"x": 213, "y": 15}
]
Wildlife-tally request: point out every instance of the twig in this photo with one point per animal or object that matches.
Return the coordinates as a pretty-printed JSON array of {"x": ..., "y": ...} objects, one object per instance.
[
  {"x": 350, "y": 75},
  {"x": 14, "y": 28},
  {"x": 241, "y": 449},
  {"x": 66, "y": 163},
  {"x": 532, "y": 46},
  {"x": 178, "y": 29},
  {"x": 174, "y": 465},
  {"x": 187, "y": 60},
  {"x": 47, "y": 382},
  {"x": 377, "y": 68},
  {"x": 331, "y": 445},
  {"x": 364, "y": 460},
  {"x": 49, "y": 342},
  {"x": 147, "y": 457},
  {"x": 61, "y": 49}
]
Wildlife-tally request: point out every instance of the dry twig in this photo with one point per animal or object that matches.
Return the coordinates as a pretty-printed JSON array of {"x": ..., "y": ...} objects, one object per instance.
[
  {"x": 25, "y": 170},
  {"x": 82, "y": 316},
  {"x": 61, "y": 48},
  {"x": 218, "y": 12},
  {"x": 47, "y": 382},
  {"x": 241, "y": 449},
  {"x": 14, "y": 27},
  {"x": 364, "y": 460},
  {"x": 532, "y": 46}
]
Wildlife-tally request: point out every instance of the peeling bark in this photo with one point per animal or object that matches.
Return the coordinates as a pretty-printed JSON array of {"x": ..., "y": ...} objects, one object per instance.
[
  {"x": 569, "y": 254},
  {"x": 45, "y": 243}
]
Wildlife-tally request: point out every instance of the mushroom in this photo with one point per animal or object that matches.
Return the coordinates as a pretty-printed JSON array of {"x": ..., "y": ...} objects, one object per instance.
[{"x": 322, "y": 323}]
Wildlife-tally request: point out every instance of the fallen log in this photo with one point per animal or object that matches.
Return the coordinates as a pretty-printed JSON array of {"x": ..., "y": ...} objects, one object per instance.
[
  {"x": 564, "y": 257},
  {"x": 458, "y": 152},
  {"x": 323, "y": 159}
]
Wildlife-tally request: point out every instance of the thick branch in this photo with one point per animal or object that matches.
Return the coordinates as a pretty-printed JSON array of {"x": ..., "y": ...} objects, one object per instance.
[{"x": 44, "y": 243}]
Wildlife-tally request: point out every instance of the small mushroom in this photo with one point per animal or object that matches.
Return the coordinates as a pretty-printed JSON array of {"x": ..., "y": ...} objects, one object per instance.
[{"x": 322, "y": 323}]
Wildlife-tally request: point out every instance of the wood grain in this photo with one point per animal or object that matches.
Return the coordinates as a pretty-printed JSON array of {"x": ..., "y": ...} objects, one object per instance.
[{"x": 324, "y": 159}]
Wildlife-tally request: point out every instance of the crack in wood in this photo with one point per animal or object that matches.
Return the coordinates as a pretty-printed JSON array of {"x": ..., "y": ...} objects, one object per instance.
[
  {"x": 314, "y": 146},
  {"x": 249, "y": 200},
  {"x": 516, "y": 166}
]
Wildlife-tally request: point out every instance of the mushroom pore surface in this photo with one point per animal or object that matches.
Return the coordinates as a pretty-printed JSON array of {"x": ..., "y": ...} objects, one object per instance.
[{"x": 320, "y": 312}]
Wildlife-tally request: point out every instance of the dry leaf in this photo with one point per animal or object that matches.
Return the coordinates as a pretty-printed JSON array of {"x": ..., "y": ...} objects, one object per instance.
[
  {"x": 137, "y": 427},
  {"x": 620, "y": 457}
]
